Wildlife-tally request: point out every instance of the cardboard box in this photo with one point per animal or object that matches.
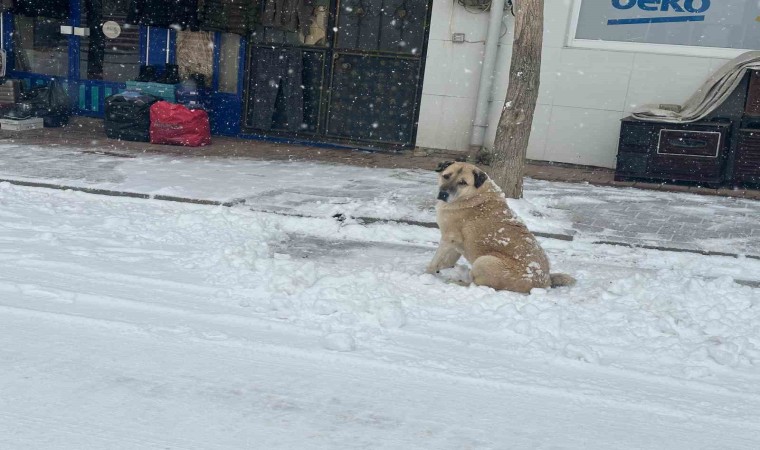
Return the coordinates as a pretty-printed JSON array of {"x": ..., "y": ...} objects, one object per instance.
[{"x": 32, "y": 123}]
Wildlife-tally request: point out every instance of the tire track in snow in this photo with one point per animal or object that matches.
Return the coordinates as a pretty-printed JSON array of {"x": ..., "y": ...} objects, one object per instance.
[
  {"x": 182, "y": 299},
  {"x": 445, "y": 360},
  {"x": 108, "y": 437}
]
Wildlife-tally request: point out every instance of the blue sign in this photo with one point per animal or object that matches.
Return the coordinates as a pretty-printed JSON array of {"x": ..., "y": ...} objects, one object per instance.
[
  {"x": 730, "y": 24},
  {"x": 685, "y": 10}
]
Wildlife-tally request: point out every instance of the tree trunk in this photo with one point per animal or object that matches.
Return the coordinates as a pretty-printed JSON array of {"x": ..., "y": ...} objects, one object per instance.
[{"x": 516, "y": 119}]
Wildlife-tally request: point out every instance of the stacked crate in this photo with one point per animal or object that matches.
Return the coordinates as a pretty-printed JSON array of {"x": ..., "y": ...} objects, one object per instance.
[
  {"x": 721, "y": 150},
  {"x": 693, "y": 152},
  {"x": 10, "y": 92},
  {"x": 746, "y": 167}
]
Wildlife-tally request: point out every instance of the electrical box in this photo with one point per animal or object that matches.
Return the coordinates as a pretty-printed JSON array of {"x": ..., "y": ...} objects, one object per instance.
[
  {"x": 458, "y": 38},
  {"x": 480, "y": 5}
]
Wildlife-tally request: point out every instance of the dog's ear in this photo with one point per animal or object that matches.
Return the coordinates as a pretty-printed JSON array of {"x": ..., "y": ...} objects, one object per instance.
[
  {"x": 442, "y": 166},
  {"x": 480, "y": 178}
]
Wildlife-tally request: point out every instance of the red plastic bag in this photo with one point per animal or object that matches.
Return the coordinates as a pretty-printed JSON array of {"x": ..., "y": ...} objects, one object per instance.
[{"x": 176, "y": 125}]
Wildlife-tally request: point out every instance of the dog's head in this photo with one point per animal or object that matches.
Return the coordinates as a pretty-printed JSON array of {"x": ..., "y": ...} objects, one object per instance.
[{"x": 459, "y": 181}]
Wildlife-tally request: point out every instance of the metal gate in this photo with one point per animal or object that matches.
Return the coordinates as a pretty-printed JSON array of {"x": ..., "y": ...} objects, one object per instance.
[{"x": 345, "y": 71}]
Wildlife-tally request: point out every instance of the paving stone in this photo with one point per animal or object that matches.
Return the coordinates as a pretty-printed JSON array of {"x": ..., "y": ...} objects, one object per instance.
[{"x": 665, "y": 219}]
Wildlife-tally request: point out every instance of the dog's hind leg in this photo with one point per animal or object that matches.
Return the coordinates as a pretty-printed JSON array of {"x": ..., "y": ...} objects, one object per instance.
[
  {"x": 493, "y": 272},
  {"x": 562, "y": 279}
]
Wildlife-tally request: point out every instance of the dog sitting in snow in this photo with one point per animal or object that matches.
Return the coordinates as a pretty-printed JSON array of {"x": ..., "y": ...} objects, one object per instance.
[{"x": 476, "y": 223}]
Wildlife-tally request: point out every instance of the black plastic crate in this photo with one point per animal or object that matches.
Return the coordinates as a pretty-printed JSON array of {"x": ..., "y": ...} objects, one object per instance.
[
  {"x": 127, "y": 116},
  {"x": 693, "y": 152}
]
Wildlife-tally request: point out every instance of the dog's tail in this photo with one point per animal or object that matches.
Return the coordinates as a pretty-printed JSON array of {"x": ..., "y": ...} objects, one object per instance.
[{"x": 561, "y": 279}]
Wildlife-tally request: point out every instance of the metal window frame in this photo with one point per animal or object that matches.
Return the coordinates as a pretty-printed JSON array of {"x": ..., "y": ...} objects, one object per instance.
[{"x": 322, "y": 136}]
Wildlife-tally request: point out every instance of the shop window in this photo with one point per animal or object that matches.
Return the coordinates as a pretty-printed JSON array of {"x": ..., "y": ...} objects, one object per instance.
[
  {"x": 382, "y": 25},
  {"x": 195, "y": 54},
  {"x": 229, "y": 63},
  {"x": 285, "y": 89},
  {"x": 306, "y": 27},
  {"x": 39, "y": 45},
  {"x": 701, "y": 27}
]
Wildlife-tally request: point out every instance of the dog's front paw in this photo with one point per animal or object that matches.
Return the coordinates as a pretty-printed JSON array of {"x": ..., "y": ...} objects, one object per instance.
[{"x": 432, "y": 270}]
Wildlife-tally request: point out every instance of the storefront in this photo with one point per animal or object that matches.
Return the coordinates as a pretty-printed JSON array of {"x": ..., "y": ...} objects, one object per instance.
[
  {"x": 336, "y": 71},
  {"x": 601, "y": 59},
  {"x": 351, "y": 71}
]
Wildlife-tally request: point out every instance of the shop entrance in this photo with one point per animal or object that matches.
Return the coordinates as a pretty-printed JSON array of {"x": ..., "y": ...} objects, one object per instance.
[
  {"x": 338, "y": 71},
  {"x": 65, "y": 40}
]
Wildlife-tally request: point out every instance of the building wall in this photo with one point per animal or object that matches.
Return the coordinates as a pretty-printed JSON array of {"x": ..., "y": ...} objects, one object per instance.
[
  {"x": 583, "y": 95},
  {"x": 452, "y": 75}
]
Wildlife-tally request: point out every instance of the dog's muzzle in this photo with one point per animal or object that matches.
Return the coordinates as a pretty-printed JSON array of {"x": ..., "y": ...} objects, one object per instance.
[{"x": 443, "y": 196}]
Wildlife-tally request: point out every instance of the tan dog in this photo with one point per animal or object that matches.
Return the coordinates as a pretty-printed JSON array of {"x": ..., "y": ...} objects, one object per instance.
[{"x": 476, "y": 223}]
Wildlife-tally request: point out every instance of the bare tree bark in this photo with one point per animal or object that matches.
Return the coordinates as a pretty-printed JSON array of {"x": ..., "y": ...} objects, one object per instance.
[{"x": 516, "y": 119}]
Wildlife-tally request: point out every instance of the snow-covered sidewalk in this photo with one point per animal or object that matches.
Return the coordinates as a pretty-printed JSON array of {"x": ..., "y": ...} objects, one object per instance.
[
  {"x": 128, "y": 323},
  {"x": 590, "y": 213}
]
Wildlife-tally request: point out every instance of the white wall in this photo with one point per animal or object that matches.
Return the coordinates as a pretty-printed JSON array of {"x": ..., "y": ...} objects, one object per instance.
[
  {"x": 452, "y": 75},
  {"x": 583, "y": 95}
]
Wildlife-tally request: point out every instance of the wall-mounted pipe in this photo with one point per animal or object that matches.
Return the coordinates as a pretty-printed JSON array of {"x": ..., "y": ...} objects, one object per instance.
[
  {"x": 487, "y": 74},
  {"x": 147, "y": 48}
]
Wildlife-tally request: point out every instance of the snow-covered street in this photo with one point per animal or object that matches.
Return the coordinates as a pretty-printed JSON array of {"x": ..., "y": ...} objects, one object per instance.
[{"x": 129, "y": 323}]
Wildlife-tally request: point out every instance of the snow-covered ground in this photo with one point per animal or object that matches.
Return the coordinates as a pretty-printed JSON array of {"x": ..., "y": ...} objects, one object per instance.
[
  {"x": 662, "y": 219},
  {"x": 129, "y": 323}
]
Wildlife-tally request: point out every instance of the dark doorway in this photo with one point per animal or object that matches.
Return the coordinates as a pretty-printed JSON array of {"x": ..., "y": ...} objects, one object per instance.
[{"x": 115, "y": 59}]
